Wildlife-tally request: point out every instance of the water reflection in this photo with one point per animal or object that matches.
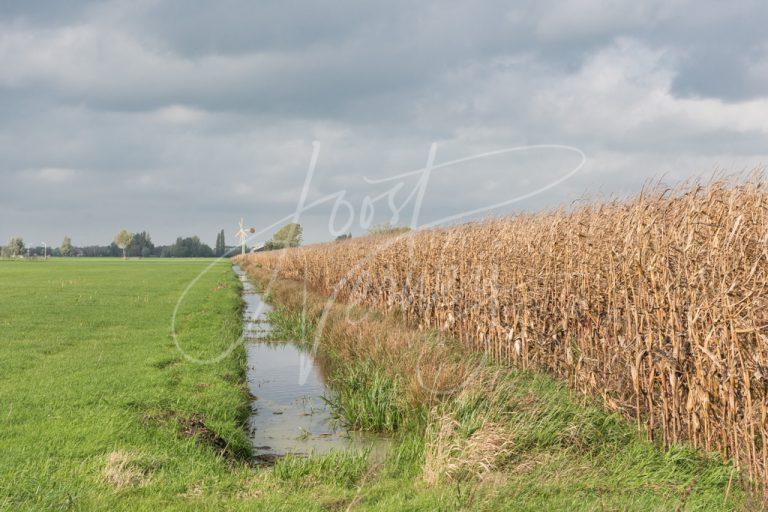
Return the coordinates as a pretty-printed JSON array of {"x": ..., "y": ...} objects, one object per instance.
[{"x": 289, "y": 412}]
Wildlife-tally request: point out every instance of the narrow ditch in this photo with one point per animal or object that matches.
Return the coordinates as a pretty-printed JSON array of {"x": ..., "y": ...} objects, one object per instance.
[{"x": 289, "y": 414}]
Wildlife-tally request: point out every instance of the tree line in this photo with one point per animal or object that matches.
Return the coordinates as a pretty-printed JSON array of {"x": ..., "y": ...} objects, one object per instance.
[
  {"x": 140, "y": 245},
  {"x": 125, "y": 245}
]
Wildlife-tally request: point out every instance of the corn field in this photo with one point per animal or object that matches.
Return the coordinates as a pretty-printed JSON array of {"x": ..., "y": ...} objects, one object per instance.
[{"x": 659, "y": 304}]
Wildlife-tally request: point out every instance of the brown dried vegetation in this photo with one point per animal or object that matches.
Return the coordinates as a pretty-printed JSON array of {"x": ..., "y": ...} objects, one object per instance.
[
  {"x": 658, "y": 304},
  {"x": 126, "y": 469}
]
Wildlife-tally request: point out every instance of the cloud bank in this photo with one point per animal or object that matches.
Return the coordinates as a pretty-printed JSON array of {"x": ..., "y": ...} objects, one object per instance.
[{"x": 179, "y": 117}]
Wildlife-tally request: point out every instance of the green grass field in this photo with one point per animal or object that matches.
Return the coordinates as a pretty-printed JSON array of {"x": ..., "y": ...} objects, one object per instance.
[{"x": 99, "y": 410}]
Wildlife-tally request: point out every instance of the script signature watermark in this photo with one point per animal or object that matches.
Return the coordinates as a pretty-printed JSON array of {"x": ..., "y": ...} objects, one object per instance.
[{"x": 414, "y": 186}]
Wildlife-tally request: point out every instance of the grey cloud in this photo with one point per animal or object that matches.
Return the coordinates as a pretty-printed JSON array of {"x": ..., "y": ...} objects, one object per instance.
[
  {"x": 180, "y": 117},
  {"x": 45, "y": 12}
]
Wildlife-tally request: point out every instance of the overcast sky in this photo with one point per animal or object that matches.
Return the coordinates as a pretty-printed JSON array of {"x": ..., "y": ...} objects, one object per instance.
[{"x": 179, "y": 117}]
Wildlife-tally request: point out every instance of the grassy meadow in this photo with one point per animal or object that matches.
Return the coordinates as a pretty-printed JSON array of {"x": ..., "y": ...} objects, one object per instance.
[
  {"x": 99, "y": 410},
  {"x": 94, "y": 394}
]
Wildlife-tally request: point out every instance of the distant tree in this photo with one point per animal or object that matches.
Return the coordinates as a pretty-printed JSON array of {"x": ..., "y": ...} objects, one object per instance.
[
  {"x": 343, "y": 237},
  {"x": 141, "y": 245},
  {"x": 39, "y": 250},
  {"x": 287, "y": 236},
  {"x": 17, "y": 246},
  {"x": 122, "y": 240},
  {"x": 97, "y": 250},
  {"x": 387, "y": 229},
  {"x": 66, "y": 247},
  {"x": 14, "y": 248},
  {"x": 221, "y": 245},
  {"x": 190, "y": 247}
]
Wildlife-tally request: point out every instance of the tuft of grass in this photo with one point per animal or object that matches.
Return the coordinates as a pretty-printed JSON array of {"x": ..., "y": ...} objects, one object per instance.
[
  {"x": 405, "y": 457},
  {"x": 344, "y": 468},
  {"x": 129, "y": 469},
  {"x": 367, "y": 398},
  {"x": 455, "y": 456},
  {"x": 289, "y": 325}
]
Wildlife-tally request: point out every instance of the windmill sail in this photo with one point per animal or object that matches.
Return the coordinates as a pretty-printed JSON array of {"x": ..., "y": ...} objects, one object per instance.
[{"x": 242, "y": 236}]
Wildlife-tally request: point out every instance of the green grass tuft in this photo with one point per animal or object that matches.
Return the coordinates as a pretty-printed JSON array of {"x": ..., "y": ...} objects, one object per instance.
[
  {"x": 367, "y": 398},
  {"x": 343, "y": 468}
]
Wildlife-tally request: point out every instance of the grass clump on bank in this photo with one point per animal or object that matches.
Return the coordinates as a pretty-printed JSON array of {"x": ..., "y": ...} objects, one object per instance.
[
  {"x": 344, "y": 467},
  {"x": 367, "y": 398},
  {"x": 495, "y": 437}
]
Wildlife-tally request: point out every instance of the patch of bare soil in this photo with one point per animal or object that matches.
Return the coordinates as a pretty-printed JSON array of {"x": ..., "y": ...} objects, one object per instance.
[{"x": 194, "y": 426}]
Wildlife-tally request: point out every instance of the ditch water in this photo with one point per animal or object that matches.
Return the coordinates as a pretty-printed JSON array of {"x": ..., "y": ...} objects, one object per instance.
[{"x": 288, "y": 412}]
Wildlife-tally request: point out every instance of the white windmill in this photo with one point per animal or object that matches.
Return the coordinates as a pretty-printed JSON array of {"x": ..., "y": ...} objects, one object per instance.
[{"x": 242, "y": 234}]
